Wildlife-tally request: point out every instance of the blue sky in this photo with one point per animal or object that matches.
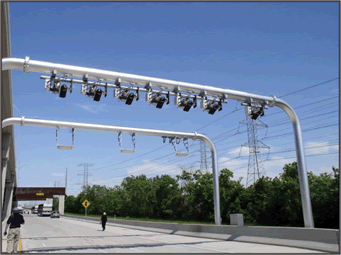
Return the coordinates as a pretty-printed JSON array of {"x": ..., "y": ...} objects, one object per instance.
[{"x": 263, "y": 48}]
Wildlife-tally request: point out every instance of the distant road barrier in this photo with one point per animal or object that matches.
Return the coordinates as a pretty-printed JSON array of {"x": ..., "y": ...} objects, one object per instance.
[{"x": 326, "y": 240}]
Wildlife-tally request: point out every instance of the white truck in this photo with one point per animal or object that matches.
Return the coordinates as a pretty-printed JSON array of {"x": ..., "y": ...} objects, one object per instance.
[
  {"x": 44, "y": 209},
  {"x": 35, "y": 210},
  {"x": 21, "y": 211}
]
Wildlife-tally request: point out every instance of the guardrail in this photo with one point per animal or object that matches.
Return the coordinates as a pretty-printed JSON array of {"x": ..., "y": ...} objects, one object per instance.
[{"x": 326, "y": 240}]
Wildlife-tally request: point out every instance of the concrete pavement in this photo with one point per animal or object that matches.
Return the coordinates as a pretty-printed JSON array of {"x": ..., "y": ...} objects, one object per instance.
[{"x": 66, "y": 235}]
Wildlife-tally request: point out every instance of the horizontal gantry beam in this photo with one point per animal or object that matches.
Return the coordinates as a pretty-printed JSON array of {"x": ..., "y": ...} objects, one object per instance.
[{"x": 137, "y": 80}]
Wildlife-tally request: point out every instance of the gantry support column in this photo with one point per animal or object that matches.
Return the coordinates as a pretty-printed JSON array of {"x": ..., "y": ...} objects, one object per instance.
[
  {"x": 8, "y": 199},
  {"x": 6, "y": 143},
  {"x": 61, "y": 204}
]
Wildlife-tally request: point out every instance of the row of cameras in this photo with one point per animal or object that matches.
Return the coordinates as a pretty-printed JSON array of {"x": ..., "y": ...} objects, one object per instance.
[
  {"x": 252, "y": 109},
  {"x": 154, "y": 98}
]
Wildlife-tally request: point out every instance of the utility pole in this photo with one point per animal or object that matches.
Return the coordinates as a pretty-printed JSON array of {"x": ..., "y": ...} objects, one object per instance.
[
  {"x": 86, "y": 173},
  {"x": 255, "y": 167}
]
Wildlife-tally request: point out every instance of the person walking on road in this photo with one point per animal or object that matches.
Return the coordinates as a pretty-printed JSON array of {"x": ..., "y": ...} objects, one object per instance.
[
  {"x": 14, "y": 222},
  {"x": 104, "y": 220}
]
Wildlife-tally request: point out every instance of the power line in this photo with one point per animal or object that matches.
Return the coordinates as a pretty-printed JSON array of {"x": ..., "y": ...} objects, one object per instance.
[
  {"x": 302, "y": 131},
  {"x": 219, "y": 119},
  {"x": 134, "y": 158},
  {"x": 316, "y": 116},
  {"x": 172, "y": 160},
  {"x": 226, "y": 116},
  {"x": 313, "y": 86},
  {"x": 310, "y": 155},
  {"x": 298, "y": 107},
  {"x": 152, "y": 168},
  {"x": 306, "y": 148},
  {"x": 304, "y": 123},
  {"x": 86, "y": 173},
  {"x": 314, "y": 110},
  {"x": 311, "y": 147},
  {"x": 226, "y": 148},
  {"x": 217, "y": 142}
]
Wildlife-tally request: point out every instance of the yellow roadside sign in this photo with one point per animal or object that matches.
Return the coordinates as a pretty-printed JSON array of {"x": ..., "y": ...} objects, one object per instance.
[
  {"x": 40, "y": 194},
  {"x": 86, "y": 203}
]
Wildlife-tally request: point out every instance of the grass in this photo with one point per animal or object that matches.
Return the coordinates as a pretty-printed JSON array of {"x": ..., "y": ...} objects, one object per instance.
[{"x": 162, "y": 220}]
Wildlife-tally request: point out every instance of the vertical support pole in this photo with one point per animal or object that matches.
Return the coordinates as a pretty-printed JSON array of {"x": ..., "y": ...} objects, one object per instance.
[
  {"x": 217, "y": 217},
  {"x": 303, "y": 177},
  {"x": 215, "y": 170},
  {"x": 8, "y": 199},
  {"x": 301, "y": 164},
  {"x": 3, "y": 180},
  {"x": 6, "y": 143},
  {"x": 86, "y": 211},
  {"x": 61, "y": 204}
]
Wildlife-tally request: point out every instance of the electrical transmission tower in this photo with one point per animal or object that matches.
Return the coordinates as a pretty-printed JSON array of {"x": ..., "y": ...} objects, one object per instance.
[
  {"x": 85, "y": 174},
  {"x": 203, "y": 158},
  {"x": 255, "y": 166}
]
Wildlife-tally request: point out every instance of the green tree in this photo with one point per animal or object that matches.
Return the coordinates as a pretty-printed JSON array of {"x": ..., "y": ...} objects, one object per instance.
[
  {"x": 140, "y": 194},
  {"x": 168, "y": 197},
  {"x": 230, "y": 193},
  {"x": 203, "y": 196},
  {"x": 324, "y": 190},
  {"x": 55, "y": 204},
  {"x": 186, "y": 184}
]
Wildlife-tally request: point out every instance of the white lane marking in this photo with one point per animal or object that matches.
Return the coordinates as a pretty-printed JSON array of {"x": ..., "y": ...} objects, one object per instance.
[{"x": 43, "y": 244}]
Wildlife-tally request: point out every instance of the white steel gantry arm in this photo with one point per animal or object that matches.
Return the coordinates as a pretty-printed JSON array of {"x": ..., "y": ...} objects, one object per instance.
[
  {"x": 75, "y": 71},
  {"x": 142, "y": 131}
]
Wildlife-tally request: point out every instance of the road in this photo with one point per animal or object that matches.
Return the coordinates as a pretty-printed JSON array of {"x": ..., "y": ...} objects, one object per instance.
[{"x": 66, "y": 235}]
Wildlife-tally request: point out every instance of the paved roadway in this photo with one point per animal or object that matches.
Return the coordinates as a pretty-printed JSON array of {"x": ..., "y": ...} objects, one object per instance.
[{"x": 66, "y": 235}]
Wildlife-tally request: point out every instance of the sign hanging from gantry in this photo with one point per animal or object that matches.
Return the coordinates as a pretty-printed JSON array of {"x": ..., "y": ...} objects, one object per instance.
[{"x": 37, "y": 193}]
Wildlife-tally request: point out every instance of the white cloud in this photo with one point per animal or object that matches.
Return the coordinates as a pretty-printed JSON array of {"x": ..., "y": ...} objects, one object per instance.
[
  {"x": 88, "y": 108},
  {"x": 322, "y": 147},
  {"x": 58, "y": 174},
  {"x": 93, "y": 108},
  {"x": 112, "y": 182},
  {"x": 147, "y": 168}
]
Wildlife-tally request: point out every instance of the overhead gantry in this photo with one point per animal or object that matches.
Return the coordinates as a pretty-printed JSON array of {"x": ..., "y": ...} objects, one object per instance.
[
  {"x": 186, "y": 96},
  {"x": 171, "y": 135}
]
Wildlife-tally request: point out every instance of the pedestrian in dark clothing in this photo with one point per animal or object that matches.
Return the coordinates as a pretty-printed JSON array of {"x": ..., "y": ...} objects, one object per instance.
[
  {"x": 14, "y": 221},
  {"x": 104, "y": 220}
]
